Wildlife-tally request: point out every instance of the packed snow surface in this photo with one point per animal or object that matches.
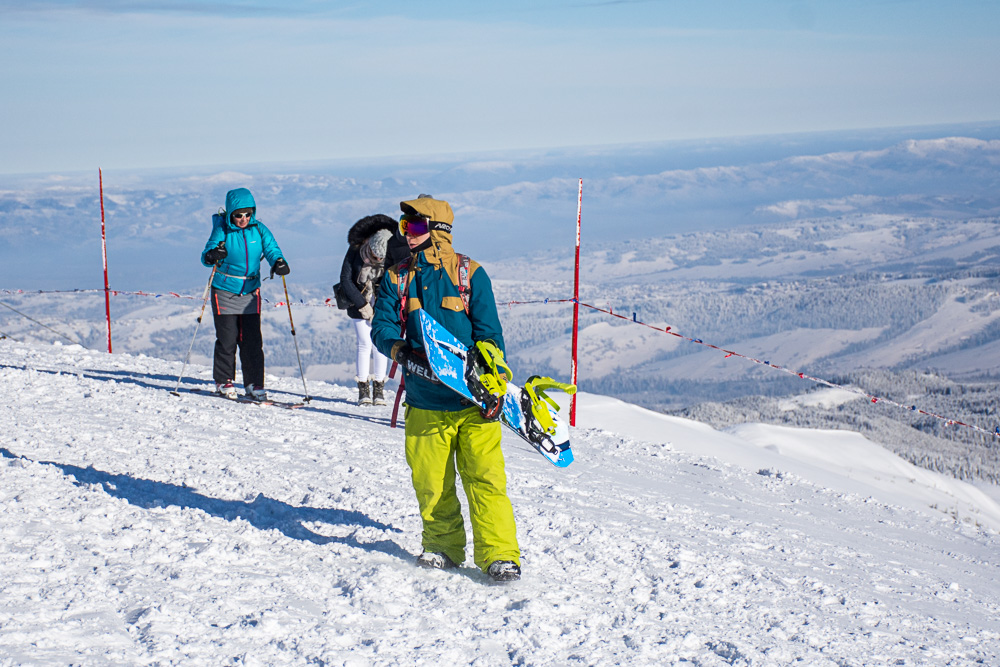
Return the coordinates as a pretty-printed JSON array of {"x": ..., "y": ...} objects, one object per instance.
[{"x": 142, "y": 528}]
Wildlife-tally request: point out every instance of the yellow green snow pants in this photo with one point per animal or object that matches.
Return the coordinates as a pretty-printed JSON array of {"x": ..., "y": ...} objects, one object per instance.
[{"x": 438, "y": 443}]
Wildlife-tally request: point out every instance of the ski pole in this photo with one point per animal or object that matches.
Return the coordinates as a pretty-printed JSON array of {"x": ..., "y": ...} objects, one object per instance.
[
  {"x": 294, "y": 340},
  {"x": 208, "y": 288}
]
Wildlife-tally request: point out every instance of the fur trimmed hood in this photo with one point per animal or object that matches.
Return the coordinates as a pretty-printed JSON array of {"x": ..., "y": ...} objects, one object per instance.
[{"x": 361, "y": 230}]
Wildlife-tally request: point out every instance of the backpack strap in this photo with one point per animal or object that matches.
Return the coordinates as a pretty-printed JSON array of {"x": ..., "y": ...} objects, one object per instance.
[
  {"x": 402, "y": 287},
  {"x": 464, "y": 287},
  {"x": 464, "y": 284}
]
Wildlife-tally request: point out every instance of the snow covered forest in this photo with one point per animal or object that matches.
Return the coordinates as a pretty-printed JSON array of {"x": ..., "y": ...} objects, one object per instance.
[{"x": 926, "y": 442}]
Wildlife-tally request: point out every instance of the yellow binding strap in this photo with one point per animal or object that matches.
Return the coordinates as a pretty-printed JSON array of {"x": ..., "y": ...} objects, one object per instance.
[
  {"x": 494, "y": 382},
  {"x": 535, "y": 388}
]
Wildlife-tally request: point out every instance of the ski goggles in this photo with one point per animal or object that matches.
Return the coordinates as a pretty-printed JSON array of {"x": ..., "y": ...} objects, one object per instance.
[{"x": 414, "y": 225}]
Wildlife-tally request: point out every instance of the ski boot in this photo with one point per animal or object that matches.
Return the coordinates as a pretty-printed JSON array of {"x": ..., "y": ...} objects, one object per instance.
[
  {"x": 256, "y": 393},
  {"x": 485, "y": 380},
  {"x": 226, "y": 390}
]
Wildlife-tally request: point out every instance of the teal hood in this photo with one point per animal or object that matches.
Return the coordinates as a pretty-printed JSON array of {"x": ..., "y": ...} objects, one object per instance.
[{"x": 237, "y": 199}]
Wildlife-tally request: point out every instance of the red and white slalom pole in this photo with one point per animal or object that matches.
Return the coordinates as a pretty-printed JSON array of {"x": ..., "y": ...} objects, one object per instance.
[
  {"x": 576, "y": 301},
  {"x": 104, "y": 252}
]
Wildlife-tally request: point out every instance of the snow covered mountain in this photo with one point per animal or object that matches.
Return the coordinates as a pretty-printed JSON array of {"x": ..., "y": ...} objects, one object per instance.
[
  {"x": 506, "y": 205},
  {"x": 142, "y": 528}
]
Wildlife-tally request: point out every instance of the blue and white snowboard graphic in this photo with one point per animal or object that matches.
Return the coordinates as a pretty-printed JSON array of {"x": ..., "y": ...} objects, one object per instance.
[{"x": 447, "y": 354}]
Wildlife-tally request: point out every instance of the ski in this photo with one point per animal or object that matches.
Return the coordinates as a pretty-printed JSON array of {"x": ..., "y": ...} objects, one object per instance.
[
  {"x": 246, "y": 399},
  {"x": 447, "y": 356}
]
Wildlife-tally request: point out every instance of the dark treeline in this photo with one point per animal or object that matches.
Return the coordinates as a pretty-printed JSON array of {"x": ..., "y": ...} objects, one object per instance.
[{"x": 925, "y": 441}]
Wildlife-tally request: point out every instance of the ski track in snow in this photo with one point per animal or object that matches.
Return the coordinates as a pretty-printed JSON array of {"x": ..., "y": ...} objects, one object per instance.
[{"x": 139, "y": 528}]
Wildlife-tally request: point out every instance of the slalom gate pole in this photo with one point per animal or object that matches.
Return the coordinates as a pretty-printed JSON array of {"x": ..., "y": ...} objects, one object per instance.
[
  {"x": 104, "y": 252},
  {"x": 288, "y": 303},
  {"x": 204, "y": 300},
  {"x": 576, "y": 303}
]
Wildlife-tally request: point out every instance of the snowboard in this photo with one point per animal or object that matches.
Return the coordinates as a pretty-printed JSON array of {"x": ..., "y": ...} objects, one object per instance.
[{"x": 447, "y": 356}]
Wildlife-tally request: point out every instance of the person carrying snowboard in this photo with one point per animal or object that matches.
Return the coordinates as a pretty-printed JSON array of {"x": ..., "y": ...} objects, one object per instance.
[
  {"x": 236, "y": 246},
  {"x": 446, "y": 434},
  {"x": 360, "y": 275}
]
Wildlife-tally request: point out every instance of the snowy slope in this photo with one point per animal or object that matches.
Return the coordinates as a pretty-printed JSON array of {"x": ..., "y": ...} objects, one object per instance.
[
  {"x": 141, "y": 528},
  {"x": 842, "y": 461}
]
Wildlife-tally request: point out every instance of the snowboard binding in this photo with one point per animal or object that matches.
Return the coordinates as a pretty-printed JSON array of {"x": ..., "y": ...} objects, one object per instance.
[
  {"x": 486, "y": 374},
  {"x": 535, "y": 405}
]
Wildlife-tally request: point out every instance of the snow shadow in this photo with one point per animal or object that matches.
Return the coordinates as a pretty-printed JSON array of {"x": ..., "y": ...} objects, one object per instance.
[
  {"x": 262, "y": 513},
  {"x": 133, "y": 377},
  {"x": 314, "y": 406},
  {"x": 202, "y": 388},
  {"x": 123, "y": 377}
]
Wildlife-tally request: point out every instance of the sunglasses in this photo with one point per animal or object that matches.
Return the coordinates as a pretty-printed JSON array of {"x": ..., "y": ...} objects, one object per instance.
[
  {"x": 240, "y": 216},
  {"x": 414, "y": 225}
]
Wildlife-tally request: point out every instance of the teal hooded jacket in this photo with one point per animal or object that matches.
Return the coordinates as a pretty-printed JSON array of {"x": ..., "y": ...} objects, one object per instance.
[{"x": 239, "y": 272}]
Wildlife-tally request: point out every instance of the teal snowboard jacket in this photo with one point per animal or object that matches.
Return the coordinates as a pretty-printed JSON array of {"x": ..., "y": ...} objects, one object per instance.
[
  {"x": 431, "y": 277},
  {"x": 239, "y": 272}
]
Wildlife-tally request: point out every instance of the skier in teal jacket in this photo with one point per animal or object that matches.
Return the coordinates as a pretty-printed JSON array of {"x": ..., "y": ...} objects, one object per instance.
[
  {"x": 444, "y": 432},
  {"x": 236, "y": 246}
]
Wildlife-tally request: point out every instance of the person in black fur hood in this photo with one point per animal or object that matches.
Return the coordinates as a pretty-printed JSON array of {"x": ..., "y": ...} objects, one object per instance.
[{"x": 360, "y": 275}]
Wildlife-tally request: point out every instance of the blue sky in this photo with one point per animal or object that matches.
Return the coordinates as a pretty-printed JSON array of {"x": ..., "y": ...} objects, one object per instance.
[{"x": 165, "y": 84}]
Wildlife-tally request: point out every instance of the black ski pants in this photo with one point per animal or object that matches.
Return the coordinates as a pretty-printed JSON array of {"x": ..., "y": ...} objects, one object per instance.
[{"x": 243, "y": 331}]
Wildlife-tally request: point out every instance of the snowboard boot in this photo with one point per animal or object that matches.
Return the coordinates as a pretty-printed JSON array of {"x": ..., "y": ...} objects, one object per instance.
[
  {"x": 364, "y": 395},
  {"x": 378, "y": 397},
  {"x": 504, "y": 570},
  {"x": 226, "y": 390},
  {"x": 435, "y": 561}
]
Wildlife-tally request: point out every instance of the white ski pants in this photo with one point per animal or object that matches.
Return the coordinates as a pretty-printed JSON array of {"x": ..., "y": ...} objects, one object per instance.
[{"x": 371, "y": 362}]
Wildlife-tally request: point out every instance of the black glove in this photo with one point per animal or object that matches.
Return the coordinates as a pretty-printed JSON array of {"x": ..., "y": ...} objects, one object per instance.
[
  {"x": 413, "y": 361},
  {"x": 280, "y": 267},
  {"x": 401, "y": 351},
  {"x": 216, "y": 254}
]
